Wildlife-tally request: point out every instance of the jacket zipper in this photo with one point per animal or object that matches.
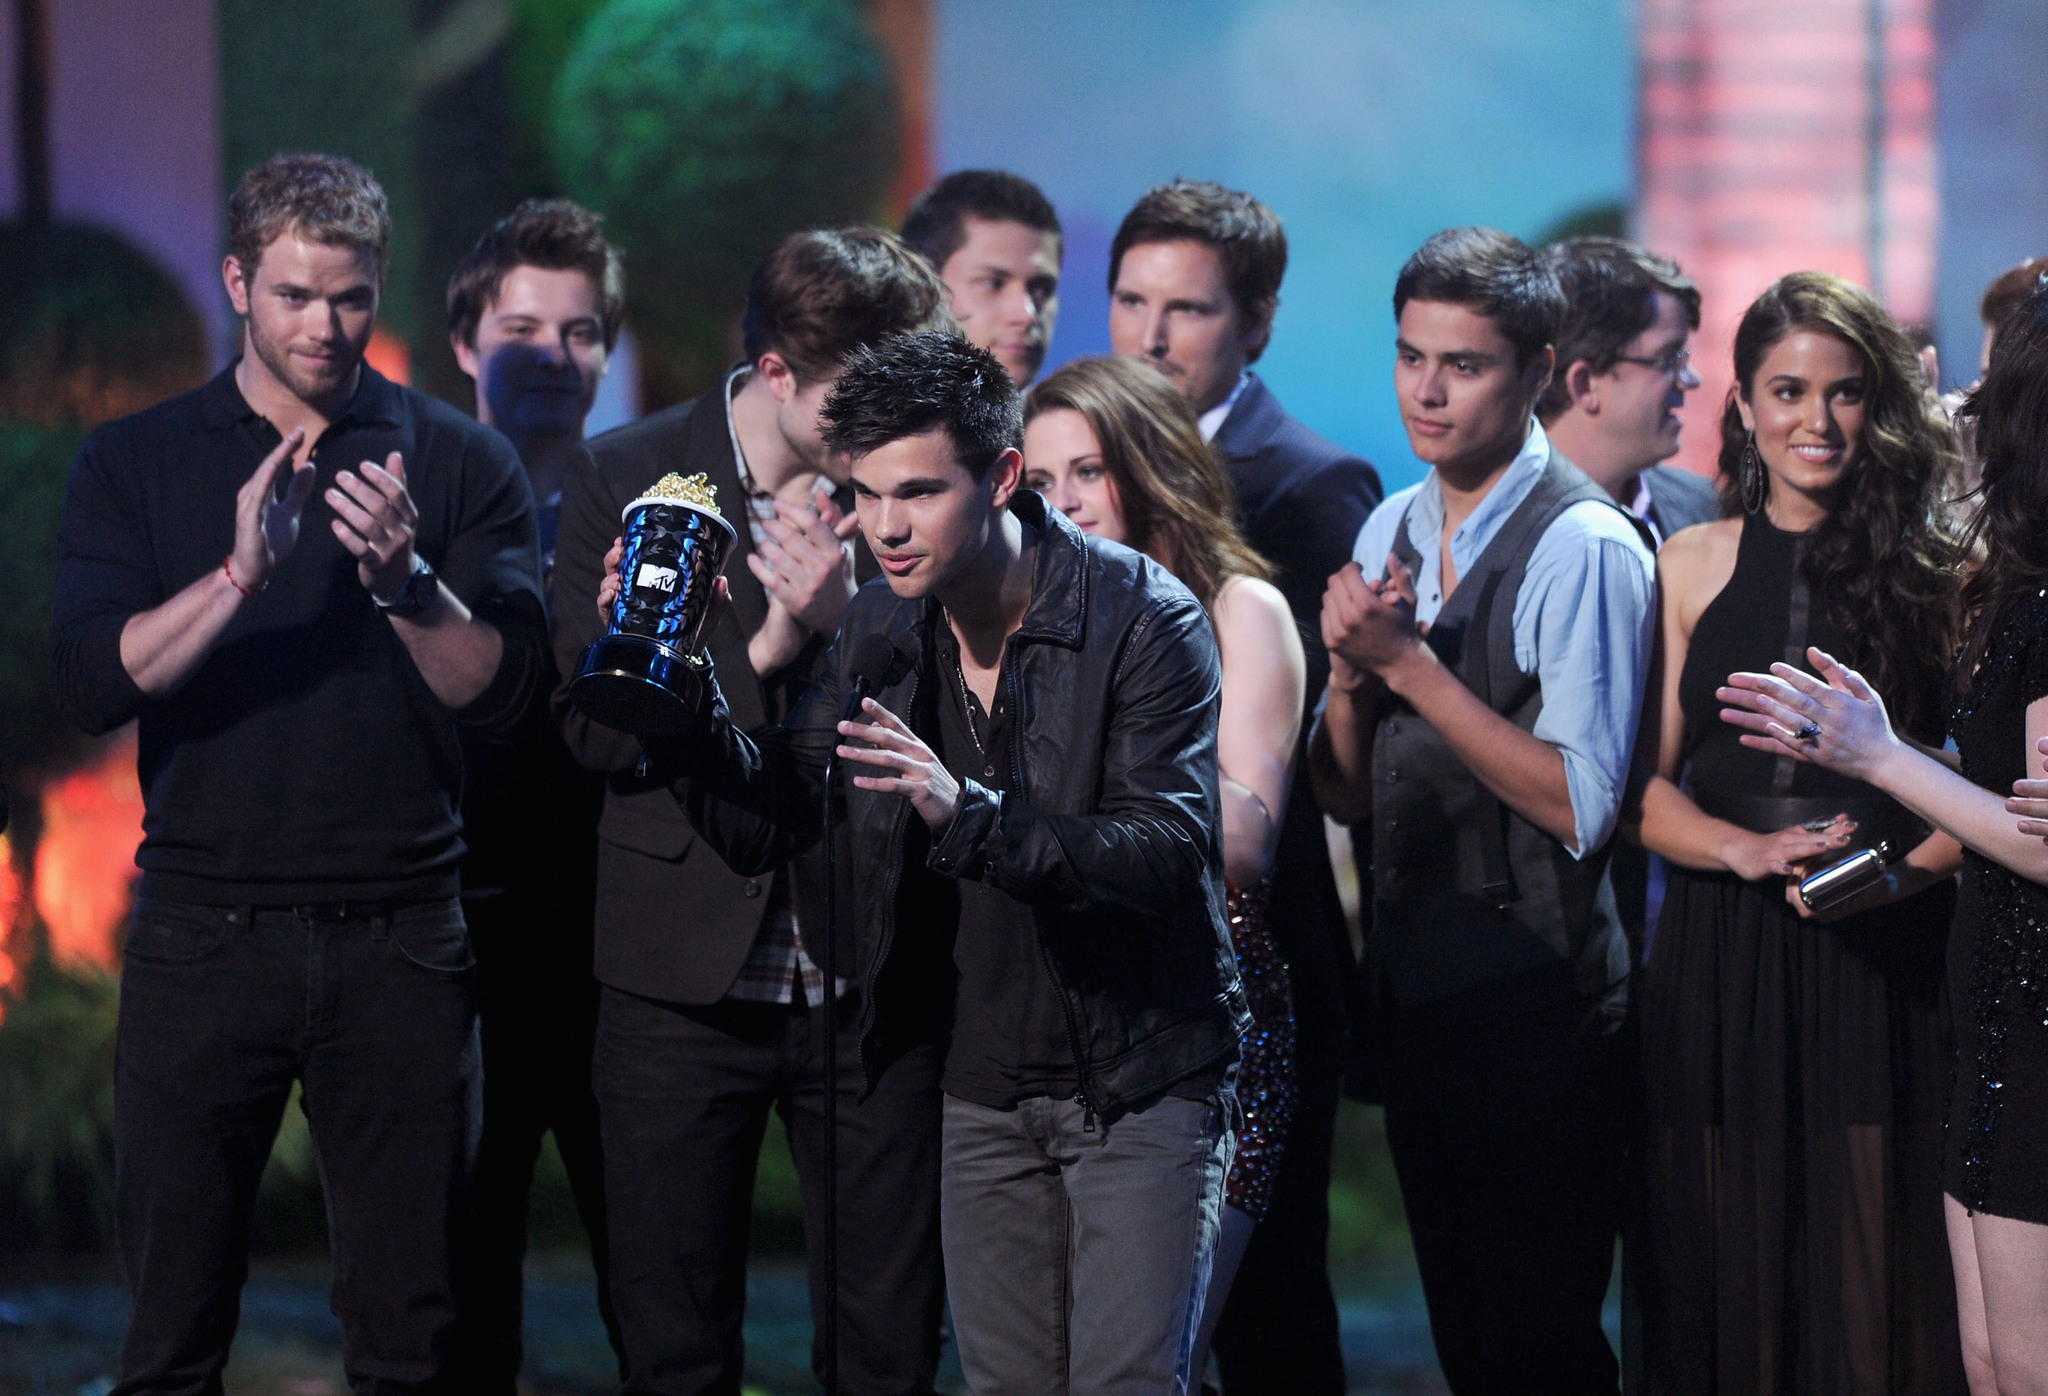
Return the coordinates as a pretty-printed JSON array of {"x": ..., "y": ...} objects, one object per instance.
[{"x": 1082, "y": 1093}]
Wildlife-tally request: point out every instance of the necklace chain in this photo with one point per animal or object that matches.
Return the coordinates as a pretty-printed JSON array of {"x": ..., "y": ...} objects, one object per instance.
[
  {"x": 967, "y": 698},
  {"x": 967, "y": 706}
]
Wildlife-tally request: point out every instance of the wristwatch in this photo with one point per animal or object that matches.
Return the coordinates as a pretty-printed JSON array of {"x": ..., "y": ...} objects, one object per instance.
[{"x": 416, "y": 595}]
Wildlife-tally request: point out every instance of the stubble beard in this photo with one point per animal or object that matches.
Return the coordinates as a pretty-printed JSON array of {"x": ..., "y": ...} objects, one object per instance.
[{"x": 305, "y": 386}]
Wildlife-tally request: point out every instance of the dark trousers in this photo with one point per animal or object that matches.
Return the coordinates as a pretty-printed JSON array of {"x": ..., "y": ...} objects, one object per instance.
[
  {"x": 1279, "y": 1331},
  {"x": 684, "y": 1094},
  {"x": 1077, "y": 1249},
  {"x": 1508, "y": 1114},
  {"x": 538, "y": 1002},
  {"x": 222, "y": 1009}
]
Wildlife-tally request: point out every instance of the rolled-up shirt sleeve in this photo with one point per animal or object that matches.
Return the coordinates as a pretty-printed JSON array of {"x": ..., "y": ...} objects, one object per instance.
[{"x": 1583, "y": 625}]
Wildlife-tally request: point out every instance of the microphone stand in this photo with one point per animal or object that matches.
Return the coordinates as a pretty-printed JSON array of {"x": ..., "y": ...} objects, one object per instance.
[{"x": 828, "y": 1321}]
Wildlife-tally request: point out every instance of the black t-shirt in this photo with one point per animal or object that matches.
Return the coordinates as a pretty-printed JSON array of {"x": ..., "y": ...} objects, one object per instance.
[
  {"x": 305, "y": 759},
  {"x": 1011, "y": 1038}
]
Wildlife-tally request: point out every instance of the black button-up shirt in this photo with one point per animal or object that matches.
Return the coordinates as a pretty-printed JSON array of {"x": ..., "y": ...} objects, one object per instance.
[
  {"x": 305, "y": 759},
  {"x": 1011, "y": 1039}
]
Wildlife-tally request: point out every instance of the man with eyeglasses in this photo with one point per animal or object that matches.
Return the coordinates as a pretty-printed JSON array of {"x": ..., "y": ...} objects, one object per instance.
[
  {"x": 1623, "y": 370},
  {"x": 1612, "y": 408}
]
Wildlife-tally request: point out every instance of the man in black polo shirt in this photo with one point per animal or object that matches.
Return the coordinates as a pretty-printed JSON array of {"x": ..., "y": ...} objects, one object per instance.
[{"x": 299, "y": 579}]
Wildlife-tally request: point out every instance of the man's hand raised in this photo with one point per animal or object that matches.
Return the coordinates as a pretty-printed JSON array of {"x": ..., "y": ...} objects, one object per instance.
[
  {"x": 375, "y": 520},
  {"x": 905, "y": 765},
  {"x": 267, "y": 516}
]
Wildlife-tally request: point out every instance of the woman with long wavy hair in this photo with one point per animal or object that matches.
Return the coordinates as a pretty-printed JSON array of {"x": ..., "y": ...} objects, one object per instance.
[
  {"x": 1114, "y": 446},
  {"x": 1795, "y": 1067},
  {"x": 1995, "y": 1164}
]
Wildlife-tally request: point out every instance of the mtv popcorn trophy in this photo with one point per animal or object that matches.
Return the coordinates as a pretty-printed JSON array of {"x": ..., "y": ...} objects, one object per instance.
[{"x": 645, "y": 676}]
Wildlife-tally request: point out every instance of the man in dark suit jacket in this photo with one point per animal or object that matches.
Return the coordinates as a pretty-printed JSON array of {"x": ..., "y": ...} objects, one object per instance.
[
  {"x": 1613, "y": 409},
  {"x": 708, "y": 978},
  {"x": 1195, "y": 274}
]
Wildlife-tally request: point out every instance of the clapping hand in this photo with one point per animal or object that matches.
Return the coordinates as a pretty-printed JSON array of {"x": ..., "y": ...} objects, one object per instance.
[
  {"x": 375, "y": 520},
  {"x": 266, "y": 517},
  {"x": 1369, "y": 627},
  {"x": 1840, "y": 724},
  {"x": 803, "y": 563}
]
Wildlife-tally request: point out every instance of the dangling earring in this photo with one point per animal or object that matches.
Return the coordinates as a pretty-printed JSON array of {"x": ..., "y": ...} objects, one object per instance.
[{"x": 1753, "y": 479}]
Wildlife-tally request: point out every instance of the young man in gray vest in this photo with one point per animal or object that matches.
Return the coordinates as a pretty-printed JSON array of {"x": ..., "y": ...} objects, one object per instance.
[{"x": 1489, "y": 648}]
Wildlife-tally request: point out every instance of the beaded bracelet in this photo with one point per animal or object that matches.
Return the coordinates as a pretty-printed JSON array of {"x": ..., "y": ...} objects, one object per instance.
[{"x": 227, "y": 566}]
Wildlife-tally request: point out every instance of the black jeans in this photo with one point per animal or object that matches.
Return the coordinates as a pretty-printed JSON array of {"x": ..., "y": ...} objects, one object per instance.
[
  {"x": 222, "y": 1008},
  {"x": 538, "y": 1002},
  {"x": 1509, "y": 1109},
  {"x": 684, "y": 1093}
]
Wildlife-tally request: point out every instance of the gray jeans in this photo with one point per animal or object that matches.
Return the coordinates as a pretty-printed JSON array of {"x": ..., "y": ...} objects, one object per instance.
[{"x": 1077, "y": 1258}]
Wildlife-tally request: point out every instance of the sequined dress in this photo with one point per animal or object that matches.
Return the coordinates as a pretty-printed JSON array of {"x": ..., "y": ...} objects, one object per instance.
[
  {"x": 1265, "y": 1073},
  {"x": 1996, "y": 1154}
]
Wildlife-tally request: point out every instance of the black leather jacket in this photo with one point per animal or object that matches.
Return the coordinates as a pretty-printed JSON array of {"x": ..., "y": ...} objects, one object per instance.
[{"x": 1115, "y": 840}]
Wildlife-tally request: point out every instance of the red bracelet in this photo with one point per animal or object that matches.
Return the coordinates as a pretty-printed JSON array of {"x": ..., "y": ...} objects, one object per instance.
[{"x": 227, "y": 566}]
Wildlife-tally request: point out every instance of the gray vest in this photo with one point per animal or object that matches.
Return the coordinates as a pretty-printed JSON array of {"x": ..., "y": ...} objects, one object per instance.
[{"x": 1465, "y": 891}]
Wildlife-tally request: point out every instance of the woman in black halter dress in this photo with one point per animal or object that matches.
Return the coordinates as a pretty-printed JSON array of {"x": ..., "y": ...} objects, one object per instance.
[
  {"x": 1995, "y": 1155},
  {"x": 1791, "y": 1239}
]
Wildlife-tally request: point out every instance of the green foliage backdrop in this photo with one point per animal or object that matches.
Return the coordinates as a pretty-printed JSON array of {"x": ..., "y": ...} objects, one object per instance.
[
  {"x": 706, "y": 129},
  {"x": 315, "y": 75}
]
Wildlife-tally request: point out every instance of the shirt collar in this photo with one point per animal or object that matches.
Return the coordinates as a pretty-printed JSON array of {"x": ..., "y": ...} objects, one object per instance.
[
  {"x": 1640, "y": 503},
  {"x": 1212, "y": 421},
  {"x": 1503, "y": 499},
  {"x": 375, "y": 402}
]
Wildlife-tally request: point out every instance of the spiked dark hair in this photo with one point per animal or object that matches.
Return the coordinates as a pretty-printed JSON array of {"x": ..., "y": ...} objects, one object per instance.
[
  {"x": 1499, "y": 276},
  {"x": 916, "y": 383}
]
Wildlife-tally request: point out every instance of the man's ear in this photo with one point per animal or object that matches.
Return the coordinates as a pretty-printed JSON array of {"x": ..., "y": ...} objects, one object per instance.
[
  {"x": 778, "y": 375},
  {"x": 1004, "y": 477},
  {"x": 466, "y": 359},
  {"x": 1578, "y": 386},
  {"x": 1536, "y": 375},
  {"x": 1257, "y": 332},
  {"x": 237, "y": 284}
]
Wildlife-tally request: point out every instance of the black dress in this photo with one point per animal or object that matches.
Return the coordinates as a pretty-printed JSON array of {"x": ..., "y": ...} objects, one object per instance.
[
  {"x": 1996, "y": 1159},
  {"x": 1792, "y": 1236}
]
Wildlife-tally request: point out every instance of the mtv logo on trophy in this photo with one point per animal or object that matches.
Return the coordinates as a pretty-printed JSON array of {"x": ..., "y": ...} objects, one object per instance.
[{"x": 645, "y": 675}]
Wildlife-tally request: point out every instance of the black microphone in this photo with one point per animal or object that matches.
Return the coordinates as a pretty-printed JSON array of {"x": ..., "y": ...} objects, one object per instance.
[{"x": 872, "y": 668}]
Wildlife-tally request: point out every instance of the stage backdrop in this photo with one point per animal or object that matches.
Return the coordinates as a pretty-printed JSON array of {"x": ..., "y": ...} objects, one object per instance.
[{"x": 1366, "y": 126}]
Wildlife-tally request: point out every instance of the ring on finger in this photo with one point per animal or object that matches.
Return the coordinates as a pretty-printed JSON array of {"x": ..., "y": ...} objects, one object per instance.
[{"x": 1810, "y": 734}]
